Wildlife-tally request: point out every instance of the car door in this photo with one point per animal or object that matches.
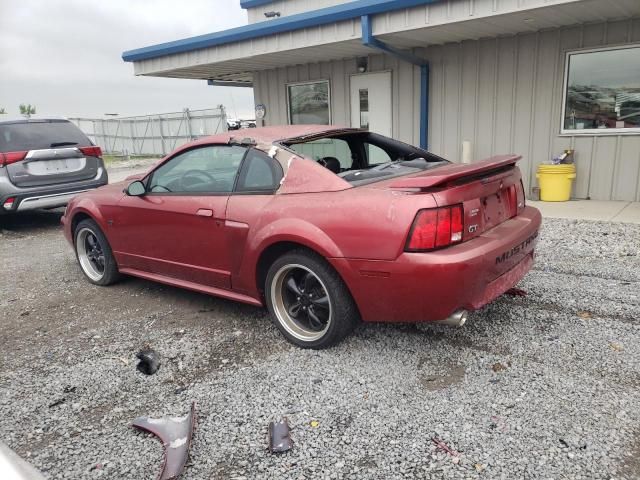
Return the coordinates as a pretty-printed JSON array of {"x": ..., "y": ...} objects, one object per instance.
[
  {"x": 259, "y": 179},
  {"x": 177, "y": 228}
]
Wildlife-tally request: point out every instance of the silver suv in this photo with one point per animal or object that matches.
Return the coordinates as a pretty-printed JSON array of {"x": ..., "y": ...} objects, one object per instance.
[{"x": 44, "y": 162}]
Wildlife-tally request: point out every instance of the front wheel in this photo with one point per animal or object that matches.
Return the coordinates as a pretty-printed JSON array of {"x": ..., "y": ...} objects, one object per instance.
[
  {"x": 94, "y": 254},
  {"x": 308, "y": 300}
]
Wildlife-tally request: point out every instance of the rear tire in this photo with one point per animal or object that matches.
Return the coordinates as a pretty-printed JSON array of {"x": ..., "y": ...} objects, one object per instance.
[
  {"x": 94, "y": 254},
  {"x": 308, "y": 301}
]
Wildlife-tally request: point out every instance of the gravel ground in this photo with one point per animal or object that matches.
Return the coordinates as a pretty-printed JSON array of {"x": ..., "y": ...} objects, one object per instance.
[{"x": 545, "y": 386}]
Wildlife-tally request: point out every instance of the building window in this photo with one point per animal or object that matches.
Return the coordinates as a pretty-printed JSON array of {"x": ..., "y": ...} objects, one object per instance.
[
  {"x": 309, "y": 103},
  {"x": 602, "y": 91},
  {"x": 364, "y": 108}
]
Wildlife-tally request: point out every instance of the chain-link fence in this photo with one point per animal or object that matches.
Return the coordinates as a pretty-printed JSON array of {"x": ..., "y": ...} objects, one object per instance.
[{"x": 156, "y": 134}]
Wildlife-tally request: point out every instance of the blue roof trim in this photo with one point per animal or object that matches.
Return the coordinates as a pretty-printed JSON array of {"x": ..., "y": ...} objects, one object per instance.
[
  {"x": 254, "y": 3},
  {"x": 323, "y": 16}
]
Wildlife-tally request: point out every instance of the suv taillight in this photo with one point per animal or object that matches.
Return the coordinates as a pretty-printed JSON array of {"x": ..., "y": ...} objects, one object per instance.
[
  {"x": 8, "y": 203},
  {"x": 11, "y": 157},
  {"x": 436, "y": 228},
  {"x": 91, "y": 151}
]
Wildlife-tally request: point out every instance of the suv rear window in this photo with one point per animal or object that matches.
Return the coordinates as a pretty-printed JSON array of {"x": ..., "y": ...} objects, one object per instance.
[{"x": 36, "y": 135}]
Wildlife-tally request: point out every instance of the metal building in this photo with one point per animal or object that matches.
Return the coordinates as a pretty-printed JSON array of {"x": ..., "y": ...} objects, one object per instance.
[{"x": 461, "y": 77}]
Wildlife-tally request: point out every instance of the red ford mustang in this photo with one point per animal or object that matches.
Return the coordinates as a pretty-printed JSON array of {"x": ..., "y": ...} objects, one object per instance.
[{"x": 326, "y": 226}]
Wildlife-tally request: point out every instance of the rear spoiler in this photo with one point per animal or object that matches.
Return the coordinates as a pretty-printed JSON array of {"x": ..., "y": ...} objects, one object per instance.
[{"x": 456, "y": 171}]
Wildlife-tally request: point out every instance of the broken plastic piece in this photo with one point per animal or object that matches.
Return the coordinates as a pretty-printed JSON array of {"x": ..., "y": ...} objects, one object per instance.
[
  {"x": 444, "y": 447},
  {"x": 245, "y": 142},
  {"x": 149, "y": 362},
  {"x": 279, "y": 436},
  {"x": 175, "y": 434},
  {"x": 59, "y": 401},
  {"x": 516, "y": 292}
]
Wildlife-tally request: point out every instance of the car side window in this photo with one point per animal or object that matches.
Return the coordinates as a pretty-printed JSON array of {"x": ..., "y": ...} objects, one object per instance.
[
  {"x": 326, "y": 147},
  {"x": 376, "y": 155},
  {"x": 209, "y": 169},
  {"x": 260, "y": 173}
]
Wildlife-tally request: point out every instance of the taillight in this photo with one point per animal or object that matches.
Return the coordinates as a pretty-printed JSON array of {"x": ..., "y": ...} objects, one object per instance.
[
  {"x": 423, "y": 231},
  {"x": 8, "y": 203},
  {"x": 11, "y": 157},
  {"x": 522, "y": 202},
  {"x": 91, "y": 151},
  {"x": 457, "y": 224},
  {"x": 512, "y": 196},
  {"x": 436, "y": 228}
]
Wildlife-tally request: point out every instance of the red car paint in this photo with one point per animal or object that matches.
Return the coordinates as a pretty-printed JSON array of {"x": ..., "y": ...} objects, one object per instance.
[{"x": 361, "y": 231}]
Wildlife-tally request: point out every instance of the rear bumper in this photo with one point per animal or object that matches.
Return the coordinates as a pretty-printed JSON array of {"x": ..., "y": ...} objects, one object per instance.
[
  {"x": 47, "y": 201},
  {"x": 48, "y": 196},
  {"x": 418, "y": 287}
]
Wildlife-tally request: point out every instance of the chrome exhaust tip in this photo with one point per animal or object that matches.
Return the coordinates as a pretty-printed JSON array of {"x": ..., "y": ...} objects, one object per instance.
[{"x": 458, "y": 319}]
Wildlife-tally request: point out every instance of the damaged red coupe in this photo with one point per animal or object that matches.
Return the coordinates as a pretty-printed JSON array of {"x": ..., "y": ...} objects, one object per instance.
[{"x": 325, "y": 226}]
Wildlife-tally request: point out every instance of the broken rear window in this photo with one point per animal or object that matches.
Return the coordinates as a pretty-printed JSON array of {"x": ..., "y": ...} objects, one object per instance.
[{"x": 365, "y": 157}]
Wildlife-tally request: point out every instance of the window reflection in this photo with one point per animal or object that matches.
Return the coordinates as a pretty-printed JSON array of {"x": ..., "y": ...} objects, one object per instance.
[
  {"x": 603, "y": 90},
  {"x": 309, "y": 103}
]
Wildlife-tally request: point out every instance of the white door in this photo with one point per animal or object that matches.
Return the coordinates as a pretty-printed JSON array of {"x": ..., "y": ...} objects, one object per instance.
[{"x": 371, "y": 102}]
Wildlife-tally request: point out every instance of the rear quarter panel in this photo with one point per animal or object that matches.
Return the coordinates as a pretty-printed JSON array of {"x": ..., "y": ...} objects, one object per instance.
[{"x": 355, "y": 223}]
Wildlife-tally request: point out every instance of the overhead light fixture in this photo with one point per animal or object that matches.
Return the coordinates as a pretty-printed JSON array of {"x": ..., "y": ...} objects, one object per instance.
[
  {"x": 271, "y": 14},
  {"x": 362, "y": 64}
]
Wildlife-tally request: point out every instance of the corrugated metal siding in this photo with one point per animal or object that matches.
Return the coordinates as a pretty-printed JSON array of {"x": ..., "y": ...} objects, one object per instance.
[
  {"x": 438, "y": 23},
  {"x": 507, "y": 16},
  {"x": 269, "y": 88},
  {"x": 288, "y": 7},
  {"x": 504, "y": 95},
  {"x": 445, "y": 11},
  {"x": 257, "y": 54}
]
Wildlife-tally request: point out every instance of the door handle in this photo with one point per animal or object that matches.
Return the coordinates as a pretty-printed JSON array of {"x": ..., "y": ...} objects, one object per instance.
[{"x": 204, "y": 212}]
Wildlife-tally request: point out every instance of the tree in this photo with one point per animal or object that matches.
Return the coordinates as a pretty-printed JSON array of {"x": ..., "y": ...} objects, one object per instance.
[{"x": 27, "y": 110}]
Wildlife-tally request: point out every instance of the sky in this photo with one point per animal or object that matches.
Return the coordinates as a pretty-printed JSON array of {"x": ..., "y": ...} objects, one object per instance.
[{"x": 64, "y": 56}]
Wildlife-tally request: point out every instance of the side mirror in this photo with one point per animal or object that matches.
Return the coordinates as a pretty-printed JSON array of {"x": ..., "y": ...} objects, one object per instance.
[{"x": 136, "y": 189}]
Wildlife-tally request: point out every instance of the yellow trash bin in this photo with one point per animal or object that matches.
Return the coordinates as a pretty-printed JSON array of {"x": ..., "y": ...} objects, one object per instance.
[{"x": 555, "y": 181}]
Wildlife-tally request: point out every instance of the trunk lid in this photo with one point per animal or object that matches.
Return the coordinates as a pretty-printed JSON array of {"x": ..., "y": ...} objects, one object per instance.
[
  {"x": 490, "y": 191},
  {"x": 53, "y": 166}
]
